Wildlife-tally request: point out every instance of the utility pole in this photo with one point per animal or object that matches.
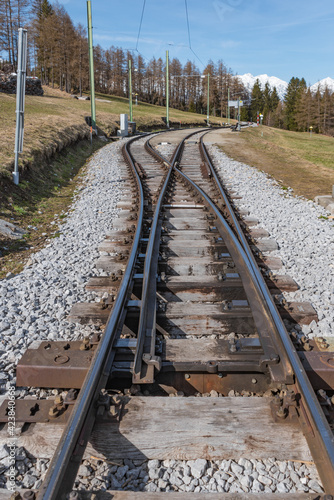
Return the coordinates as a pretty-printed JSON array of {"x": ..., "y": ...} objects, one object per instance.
[
  {"x": 167, "y": 88},
  {"x": 91, "y": 67},
  {"x": 208, "y": 103},
  {"x": 130, "y": 91},
  {"x": 20, "y": 98},
  {"x": 228, "y": 105},
  {"x": 239, "y": 127}
]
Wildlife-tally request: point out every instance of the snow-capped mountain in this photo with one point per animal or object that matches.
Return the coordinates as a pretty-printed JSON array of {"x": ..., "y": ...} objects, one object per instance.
[
  {"x": 326, "y": 82},
  {"x": 248, "y": 80}
]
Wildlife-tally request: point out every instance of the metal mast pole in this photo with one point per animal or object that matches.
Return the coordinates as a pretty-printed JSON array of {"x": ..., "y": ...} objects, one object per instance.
[
  {"x": 20, "y": 98},
  {"x": 130, "y": 91},
  {"x": 239, "y": 127},
  {"x": 208, "y": 103},
  {"x": 228, "y": 105},
  {"x": 167, "y": 88},
  {"x": 91, "y": 64}
]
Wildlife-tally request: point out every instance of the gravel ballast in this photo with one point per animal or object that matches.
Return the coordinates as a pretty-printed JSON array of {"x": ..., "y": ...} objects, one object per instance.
[
  {"x": 304, "y": 235},
  {"x": 34, "y": 306}
]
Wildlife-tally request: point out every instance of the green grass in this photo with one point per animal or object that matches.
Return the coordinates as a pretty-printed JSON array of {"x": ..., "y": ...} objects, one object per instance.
[
  {"x": 19, "y": 210},
  {"x": 317, "y": 149},
  {"x": 295, "y": 159}
]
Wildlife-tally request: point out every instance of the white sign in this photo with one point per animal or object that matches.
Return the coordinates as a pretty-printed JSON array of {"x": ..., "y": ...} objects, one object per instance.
[{"x": 234, "y": 104}]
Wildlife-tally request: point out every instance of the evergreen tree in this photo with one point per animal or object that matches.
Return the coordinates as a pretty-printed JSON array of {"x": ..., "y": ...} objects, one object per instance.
[
  {"x": 257, "y": 100},
  {"x": 292, "y": 98}
]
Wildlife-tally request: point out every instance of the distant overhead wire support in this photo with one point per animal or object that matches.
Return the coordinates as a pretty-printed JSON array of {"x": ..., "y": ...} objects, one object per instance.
[
  {"x": 141, "y": 22},
  {"x": 189, "y": 38}
]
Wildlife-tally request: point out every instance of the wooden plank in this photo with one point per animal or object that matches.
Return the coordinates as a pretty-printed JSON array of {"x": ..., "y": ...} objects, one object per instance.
[
  {"x": 170, "y": 495},
  {"x": 273, "y": 263},
  {"x": 299, "y": 312},
  {"x": 228, "y": 428},
  {"x": 182, "y": 319},
  {"x": 103, "y": 284},
  {"x": 88, "y": 313},
  {"x": 180, "y": 223},
  {"x": 184, "y": 350},
  {"x": 258, "y": 232},
  {"x": 280, "y": 283},
  {"x": 134, "y": 495},
  {"x": 199, "y": 266},
  {"x": 114, "y": 247},
  {"x": 265, "y": 245},
  {"x": 110, "y": 264}
]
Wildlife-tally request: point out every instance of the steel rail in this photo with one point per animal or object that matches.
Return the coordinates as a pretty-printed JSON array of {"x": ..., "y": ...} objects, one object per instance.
[
  {"x": 145, "y": 350},
  {"x": 324, "y": 449},
  {"x": 66, "y": 460},
  {"x": 145, "y": 360}
]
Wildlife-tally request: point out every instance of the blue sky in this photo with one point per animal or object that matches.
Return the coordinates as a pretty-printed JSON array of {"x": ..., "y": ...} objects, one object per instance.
[{"x": 282, "y": 38}]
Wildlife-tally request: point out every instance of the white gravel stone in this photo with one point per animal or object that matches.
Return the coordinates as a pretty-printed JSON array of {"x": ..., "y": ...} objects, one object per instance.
[
  {"x": 198, "y": 467},
  {"x": 34, "y": 305},
  {"x": 304, "y": 237}
]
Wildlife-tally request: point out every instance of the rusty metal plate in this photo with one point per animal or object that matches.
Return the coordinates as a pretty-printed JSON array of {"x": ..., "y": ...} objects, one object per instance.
[
  {"x": 54, "y": 365},
  {"x": 33, "y": 411},
  {"x": 319, "y": 367}
]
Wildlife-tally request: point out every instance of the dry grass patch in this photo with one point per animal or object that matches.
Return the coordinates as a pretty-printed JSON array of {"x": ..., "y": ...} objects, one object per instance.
[
  {"x": 56, "y": 120},
  {"x": 297, "y": 160}
]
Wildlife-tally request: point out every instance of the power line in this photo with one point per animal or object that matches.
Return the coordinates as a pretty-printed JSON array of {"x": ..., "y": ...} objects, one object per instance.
[
  {"x": 189, "y": 38},
  {"x": 185, "y": 1},
  {"x": 141, "y": 21}
]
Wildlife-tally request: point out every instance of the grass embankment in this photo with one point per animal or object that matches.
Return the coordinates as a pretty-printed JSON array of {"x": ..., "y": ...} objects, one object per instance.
[
  {"x": 42, "y": 197},
  {"x": 56, "y": 120},
  {"x": 294, "y": 158},
  {"x": 49, "y": 169}
]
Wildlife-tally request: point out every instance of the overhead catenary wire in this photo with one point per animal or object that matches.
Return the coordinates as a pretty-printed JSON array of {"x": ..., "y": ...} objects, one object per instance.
[
  {"x": 141, "y": 22},
  {"x": 189, "y": 37},
  {"x": 187, "y": 16}
]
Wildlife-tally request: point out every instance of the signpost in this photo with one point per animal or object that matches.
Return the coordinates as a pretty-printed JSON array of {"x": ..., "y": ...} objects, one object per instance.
[
  {"x": 91, "y": 68},
  {"x": 167, "y": 88},
  {"x": 130, "y": 91},
  {"x": 228, "y": 105},
  {"x": 20, "y": 98},
  {"x": 235, "y": 104}
]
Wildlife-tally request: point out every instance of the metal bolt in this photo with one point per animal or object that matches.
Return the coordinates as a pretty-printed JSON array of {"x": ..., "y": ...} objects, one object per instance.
[
  {"x": 59, "y": 400},
  {"x": 254, "y": 381},
  {"x": 53, "y": 412},
  {"x": 71, "y": 395},
  {"x": 281, "y": 412},
  {"x": 84, "y": 346},
  {"x": 187, "y": 376},
  {"x": 29, "y": 495},
  {"x": 74, "y": 495},
  {"x": 15, "y": 496}
]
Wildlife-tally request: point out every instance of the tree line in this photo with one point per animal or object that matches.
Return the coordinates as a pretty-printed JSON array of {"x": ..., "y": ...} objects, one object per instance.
[
  {"x": 300, "y": 109},
  {"x": 58, "y": 55}
]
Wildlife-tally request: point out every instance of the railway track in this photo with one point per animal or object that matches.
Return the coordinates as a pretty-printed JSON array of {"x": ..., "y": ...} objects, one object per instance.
[{"x": 187, "y": 308}]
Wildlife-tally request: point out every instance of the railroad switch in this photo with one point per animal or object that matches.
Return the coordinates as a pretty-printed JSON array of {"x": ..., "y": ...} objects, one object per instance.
[{"x": 152, "y": 360}]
